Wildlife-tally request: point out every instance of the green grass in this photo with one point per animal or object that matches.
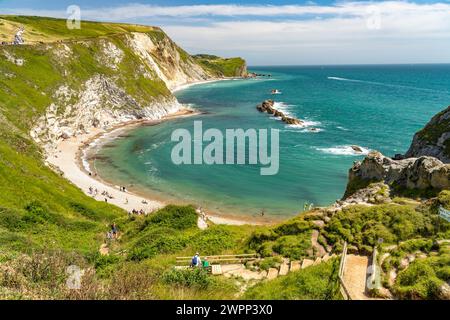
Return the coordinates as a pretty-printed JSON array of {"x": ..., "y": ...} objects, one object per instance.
[
  {"x": 51, "y": 29},
  {"x": 231, "y": 67},
  {"x": 423, "y": 278},
  {"x": 313, "y": 283}
]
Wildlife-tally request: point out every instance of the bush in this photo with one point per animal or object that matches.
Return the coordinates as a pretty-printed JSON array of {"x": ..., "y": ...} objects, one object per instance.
[
  {"x": 157, "y": 242},
  {"x": 419, "y": 281},
  {"x": 316, "y": 282},
  {"x": 37, "y": 213},
  {"x": 214, "y": 240},
  {"x": 195, "y": 277},
  {"x": 104, "y": 264},
  {"x": 413, "y": 245},
  {"x": 10, "y": 219},
  {"x": 294, "y": 247},
  {"x": 271, "y": 262},
  {"x": 84, "y": 211},
  {"x": 131, "y": 281}
]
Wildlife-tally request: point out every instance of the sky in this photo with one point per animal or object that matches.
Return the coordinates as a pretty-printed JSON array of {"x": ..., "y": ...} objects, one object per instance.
[{"x": 284, "y": 32}]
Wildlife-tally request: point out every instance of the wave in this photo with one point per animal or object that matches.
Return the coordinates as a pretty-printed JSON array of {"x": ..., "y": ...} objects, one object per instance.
[
  {"x": 305, "y": 124},
  {"x": 346, "y": 150},
  {"x": 342, "y": 128},
  {"x": 283, "y": 107},
  {"x": 385, "y": 84}
]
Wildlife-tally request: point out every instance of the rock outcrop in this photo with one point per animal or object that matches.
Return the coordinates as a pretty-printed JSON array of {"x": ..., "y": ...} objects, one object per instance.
[
  {"x": 268, "y": 107},
  {"x": 412, "y": 173},
  {"x": 434, "y": 139}
]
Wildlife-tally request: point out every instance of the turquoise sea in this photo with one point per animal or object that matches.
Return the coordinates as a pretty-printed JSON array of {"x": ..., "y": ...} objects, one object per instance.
[{"x": 375, "y": 107}]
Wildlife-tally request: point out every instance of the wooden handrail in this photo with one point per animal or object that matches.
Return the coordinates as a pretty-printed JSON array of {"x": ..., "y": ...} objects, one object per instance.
[
  {"x": 345, "y": 293},
  {"x": 225, "y": 255}
]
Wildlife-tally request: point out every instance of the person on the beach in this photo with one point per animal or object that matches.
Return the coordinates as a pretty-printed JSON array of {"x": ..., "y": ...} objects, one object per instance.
[{"x": 126, "y": 200}]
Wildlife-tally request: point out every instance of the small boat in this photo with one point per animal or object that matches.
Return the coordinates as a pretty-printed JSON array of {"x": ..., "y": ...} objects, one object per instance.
[{"x": 275, "y": 91}]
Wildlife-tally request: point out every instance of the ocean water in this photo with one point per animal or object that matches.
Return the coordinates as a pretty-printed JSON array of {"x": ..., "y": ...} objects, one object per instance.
[{"x": 375, "y": 107}]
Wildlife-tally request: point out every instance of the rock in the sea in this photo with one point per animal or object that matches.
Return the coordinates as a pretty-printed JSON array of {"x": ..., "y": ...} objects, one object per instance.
[
  {"x": 290, "y": 120},
  {"x": 357, "y": 149},
  {"x": 267, "y": 106},
  {"x": 434, "y": 139}
]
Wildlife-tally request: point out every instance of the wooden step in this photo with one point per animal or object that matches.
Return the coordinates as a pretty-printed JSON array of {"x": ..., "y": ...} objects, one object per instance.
[
  {"x": 295, "y": 265},
  {"x": 272, "y": 274},
  {"x": 284, "y": 268},
  {"x": 317, "y": 261},
  {"x": 306, "y": 263}
]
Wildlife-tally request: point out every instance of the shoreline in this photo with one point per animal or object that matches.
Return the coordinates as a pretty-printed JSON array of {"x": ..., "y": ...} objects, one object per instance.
[{"x": 69, "y": 158}]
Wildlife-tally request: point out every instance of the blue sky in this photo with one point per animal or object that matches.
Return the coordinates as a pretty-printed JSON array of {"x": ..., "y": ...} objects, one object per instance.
[{"x": 281, "y": 32}]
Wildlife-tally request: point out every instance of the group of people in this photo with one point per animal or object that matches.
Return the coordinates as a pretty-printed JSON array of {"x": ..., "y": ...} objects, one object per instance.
[
  {"x": 138, "y": 212},
  {"x": 197, "y": 262},
  {"x": 94, "y": 192}
]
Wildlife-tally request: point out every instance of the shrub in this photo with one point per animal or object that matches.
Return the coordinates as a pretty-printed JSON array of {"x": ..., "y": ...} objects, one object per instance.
[
  {"x": 10, "y": 219},
  {"x": 213, "y": 240},
  {"x": 131, "y": 281},
  {"x": 37, "y": 213},
  {"x": 84, "y": 211},
  {"x": 195, "y": 277},
  {"x": 316, "y": 282},
  {"x": 419, "y": 281},
  {"x": 294, "y": 247},
  {"x": 271, "y": 262}
]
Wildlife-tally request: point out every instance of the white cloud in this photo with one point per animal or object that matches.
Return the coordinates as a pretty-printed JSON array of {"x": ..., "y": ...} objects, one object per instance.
[{"x": 306, "y": 34}]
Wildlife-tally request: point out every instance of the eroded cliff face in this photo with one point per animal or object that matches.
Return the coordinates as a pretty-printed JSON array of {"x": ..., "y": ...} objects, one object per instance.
[
  {"x": 434, "y": 139},
  {"x": 100, "y": 82},
  {"x": 171, "y": 63}
]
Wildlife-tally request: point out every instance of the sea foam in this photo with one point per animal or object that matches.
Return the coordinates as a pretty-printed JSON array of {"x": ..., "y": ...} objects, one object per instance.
[{"x": 346, "y": 150}]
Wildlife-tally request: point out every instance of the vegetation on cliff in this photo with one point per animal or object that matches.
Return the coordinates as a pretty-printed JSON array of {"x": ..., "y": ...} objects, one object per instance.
[
  {"x": 434, "y": 138},
  {"x": 231, "y": 67}
]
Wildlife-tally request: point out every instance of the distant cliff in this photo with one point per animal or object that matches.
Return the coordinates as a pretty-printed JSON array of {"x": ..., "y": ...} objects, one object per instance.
[{"x": 63, "y": 82}]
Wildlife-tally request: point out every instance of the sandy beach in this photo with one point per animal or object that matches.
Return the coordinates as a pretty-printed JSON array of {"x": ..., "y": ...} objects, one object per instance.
[{"x": 68, "y": 158}]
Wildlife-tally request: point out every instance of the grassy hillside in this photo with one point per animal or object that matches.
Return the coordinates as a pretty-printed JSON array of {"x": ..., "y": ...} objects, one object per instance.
[
  {"x": 314, "y": 283},
  {"x": 230, "y": 67},
  {"x": 39, "y": 29}
]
